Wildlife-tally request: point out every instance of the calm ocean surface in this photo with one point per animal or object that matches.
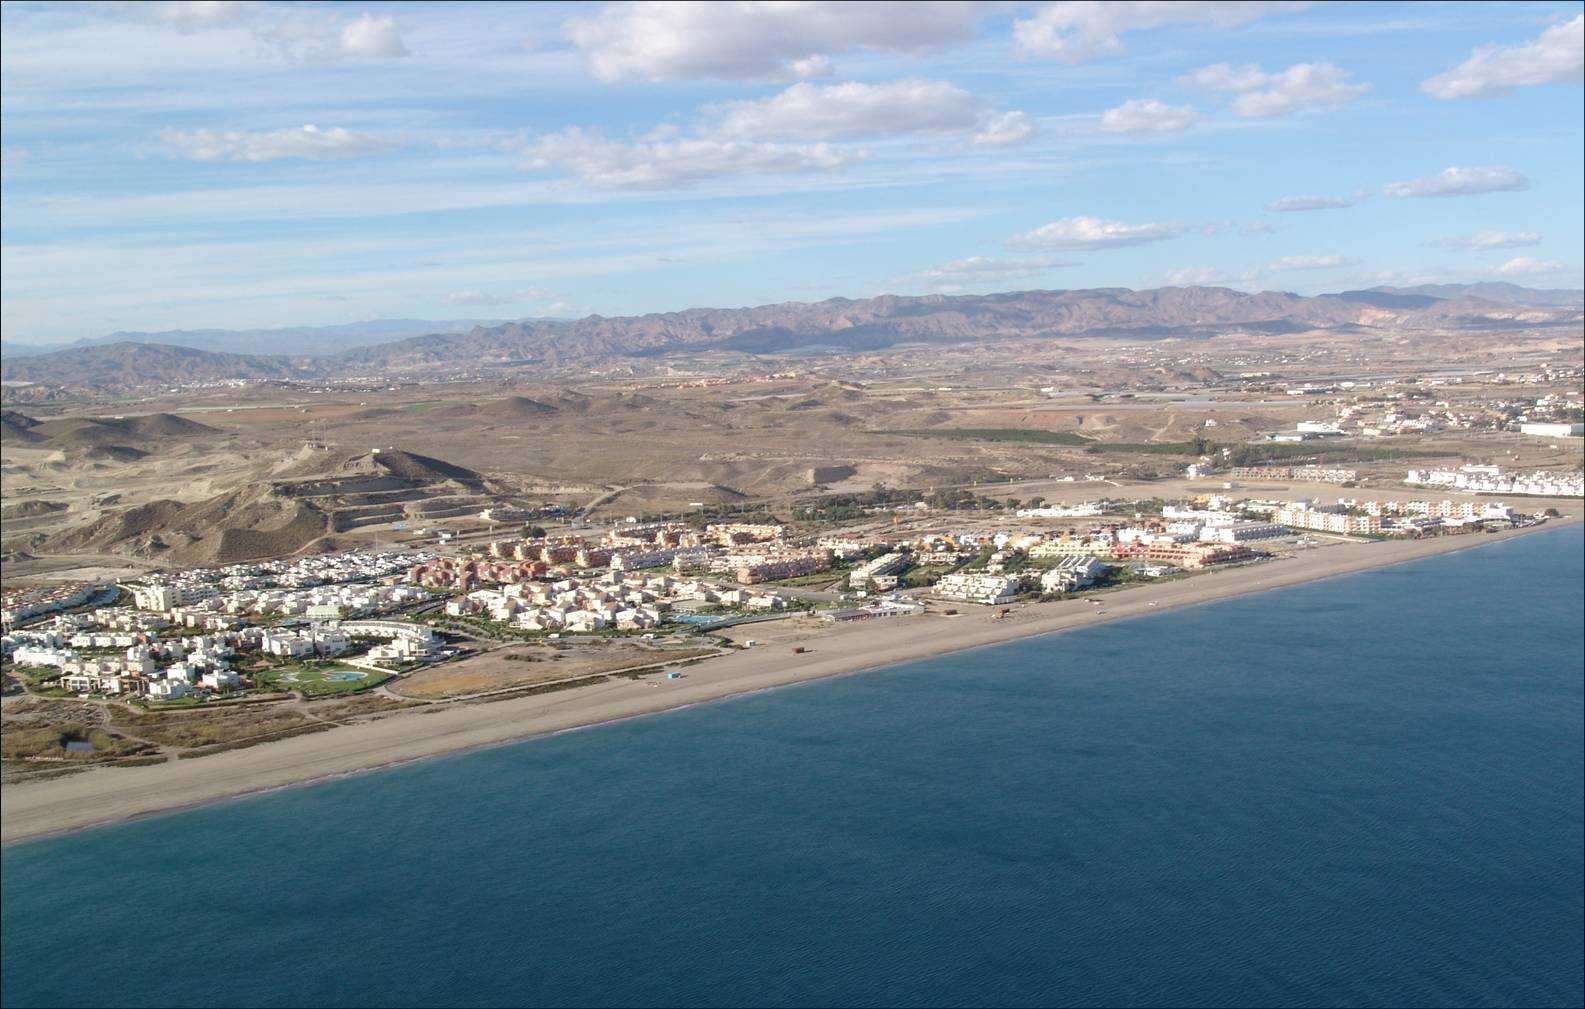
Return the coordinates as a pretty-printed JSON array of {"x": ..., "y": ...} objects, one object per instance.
[{"x": 1361, "y": 791}]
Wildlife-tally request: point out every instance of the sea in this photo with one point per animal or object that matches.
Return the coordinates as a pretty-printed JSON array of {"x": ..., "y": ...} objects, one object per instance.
[{"x": 1361, "y": 791}]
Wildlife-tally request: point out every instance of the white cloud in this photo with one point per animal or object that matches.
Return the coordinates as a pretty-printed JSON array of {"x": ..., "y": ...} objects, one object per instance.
[
  {"x": 1205, "y": 276},
  {"x": 1484, "y": 240},
  {"x": 488, "y": 300},
  {"x": 850, "y": 111},
  {"x": 791, "y": 131},
  {"x": 662, "y": 162},
  {"x": 308, "y": 141},
  {"x": 1457, "y": 181},
  {"x": 1524, "y": 266},
  {"x": 1004, "y": 129},
  {"x": 745, "y": 40},
  {"x": 1299, "y": 88},
  {"x": 1289, "y": 204},
  {"x": 1093, "y": 233},
  {"x": 298, "y": 33},
  {"x": 475, "y": 298},
  {"x": 1142, "y": 116},
  {"x": 196, "y": 14},
  {"x": 1287, "y": 263},
  {"x": 1557, "y": 56},
  {"x": 372, "y": 37},
  {"x": 1079, "y": 31},
  {"x": 982, "y": 268}
]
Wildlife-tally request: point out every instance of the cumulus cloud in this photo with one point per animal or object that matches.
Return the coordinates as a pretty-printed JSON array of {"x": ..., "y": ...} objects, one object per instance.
[
  {"x": 1094, "y": 233},
  {"x": 1074, "y": 32},
  {"x": 850, "y": 111},
  {"x": 1004, "y": 129},
  {"x": 1484, "y": 240},
  {"x": 678, "y": 40},
  {"x": 1287, "y": 263},
  {"x": 1291, "y": 204},
  {"x": 1145, "y": 116},
  {"x": 1557, "y": 56},
  {"x": 1524, "y": 266},
  {"x": 1457, "y": 181},
  {"x": 982, "y": 268},
  {"x": 372, "y": 37},
  {"x": 1301, "y": 87},
  {"x": 308, "y": 141},
  {"x": 662, "y": 161}
]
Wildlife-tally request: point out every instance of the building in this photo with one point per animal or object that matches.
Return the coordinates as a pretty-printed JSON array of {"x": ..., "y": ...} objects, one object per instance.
[
  {"x": 1330, "y": 520},
  {"x": 882, "y": 567},
  {"x": 1496, "y": 480},
  {"x": 169, "y": 689},
  {"x": 879, "y": 608},
  {"x": 1072, "y": 572},
  {"x": 26, "y": 603},
  {"x": 970, "y": 587},
  {"x": 1242, "y": 532},
  {"x": 1194, "y": 555},
  {"x": 636, "y": 559},
  {"x": 768, "y": 567},
  {"x": 1544, "y": 430}
]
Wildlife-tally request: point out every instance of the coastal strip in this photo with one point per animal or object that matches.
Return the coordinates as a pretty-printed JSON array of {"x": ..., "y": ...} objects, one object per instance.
[{"x": 106, "y": 795}]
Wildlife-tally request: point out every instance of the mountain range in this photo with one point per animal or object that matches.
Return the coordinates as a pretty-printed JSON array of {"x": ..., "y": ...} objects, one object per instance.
[
  {"x": 836, "y": 325},
  {"x": 305, "y": 340}
]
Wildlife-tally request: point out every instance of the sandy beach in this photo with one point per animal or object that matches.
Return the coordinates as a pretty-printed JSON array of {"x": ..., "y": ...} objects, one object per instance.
[{"x": 105, "y": 795}]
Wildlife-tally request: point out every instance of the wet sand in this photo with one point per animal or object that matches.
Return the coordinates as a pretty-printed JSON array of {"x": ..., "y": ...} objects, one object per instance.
[{"x": 108, "y": 794}]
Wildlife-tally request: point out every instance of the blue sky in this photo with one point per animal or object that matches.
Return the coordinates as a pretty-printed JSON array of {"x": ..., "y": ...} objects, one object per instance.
[{"x": 192, "y": 165}]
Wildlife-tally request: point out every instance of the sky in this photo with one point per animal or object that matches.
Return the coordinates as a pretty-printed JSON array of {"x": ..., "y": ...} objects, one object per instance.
[{"x": 249, "y": 165}]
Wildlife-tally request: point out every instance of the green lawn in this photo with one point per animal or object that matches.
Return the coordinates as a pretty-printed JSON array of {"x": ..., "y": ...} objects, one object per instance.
[{"x": 319, "y": 679}]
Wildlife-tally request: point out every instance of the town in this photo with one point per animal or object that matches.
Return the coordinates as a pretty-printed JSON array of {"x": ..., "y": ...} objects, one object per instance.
[{"x": 348, "y": 622}]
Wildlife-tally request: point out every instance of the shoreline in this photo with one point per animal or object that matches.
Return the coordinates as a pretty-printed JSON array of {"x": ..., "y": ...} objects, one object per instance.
[{"x": 104, "y": 795}]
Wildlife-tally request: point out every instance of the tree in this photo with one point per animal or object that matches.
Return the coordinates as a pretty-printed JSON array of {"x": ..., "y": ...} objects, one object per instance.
[{"x": 534, "y": 532}]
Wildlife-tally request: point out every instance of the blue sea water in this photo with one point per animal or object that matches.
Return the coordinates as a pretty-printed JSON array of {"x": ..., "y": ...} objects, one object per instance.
[{"x": 1363, "y": 791}]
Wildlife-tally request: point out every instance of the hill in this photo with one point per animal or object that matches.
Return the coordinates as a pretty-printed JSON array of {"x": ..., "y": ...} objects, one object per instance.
[
  {"x": 515, "y": 407},
  {"x": 414, "y": 467},
  {"x": 125, "y": 366},
  {"x": 314, "y": 495},
  {"x": 18, "y": 428},
  {"x": 120, "y": 432},
  {"x": 1498, "y": 293}
]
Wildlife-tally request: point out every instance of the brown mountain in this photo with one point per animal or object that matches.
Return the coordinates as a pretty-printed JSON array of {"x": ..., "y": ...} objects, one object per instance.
[{"x": 837, "y": 325}]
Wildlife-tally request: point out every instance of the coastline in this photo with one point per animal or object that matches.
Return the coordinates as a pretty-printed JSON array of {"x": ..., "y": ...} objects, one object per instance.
[{"x": 103, "y": 795}]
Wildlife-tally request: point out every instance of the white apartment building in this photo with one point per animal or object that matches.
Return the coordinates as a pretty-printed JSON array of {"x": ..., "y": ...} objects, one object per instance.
[
  {"x": 881, "y": 567},
  {"x": 1242, "y": 532},
  {"x": 1073, "y": 572},
  {"x": 986, "y": 589}
]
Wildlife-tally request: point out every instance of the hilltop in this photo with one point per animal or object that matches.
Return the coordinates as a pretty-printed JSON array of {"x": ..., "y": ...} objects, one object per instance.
[{"x": 102, "y": 432}]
